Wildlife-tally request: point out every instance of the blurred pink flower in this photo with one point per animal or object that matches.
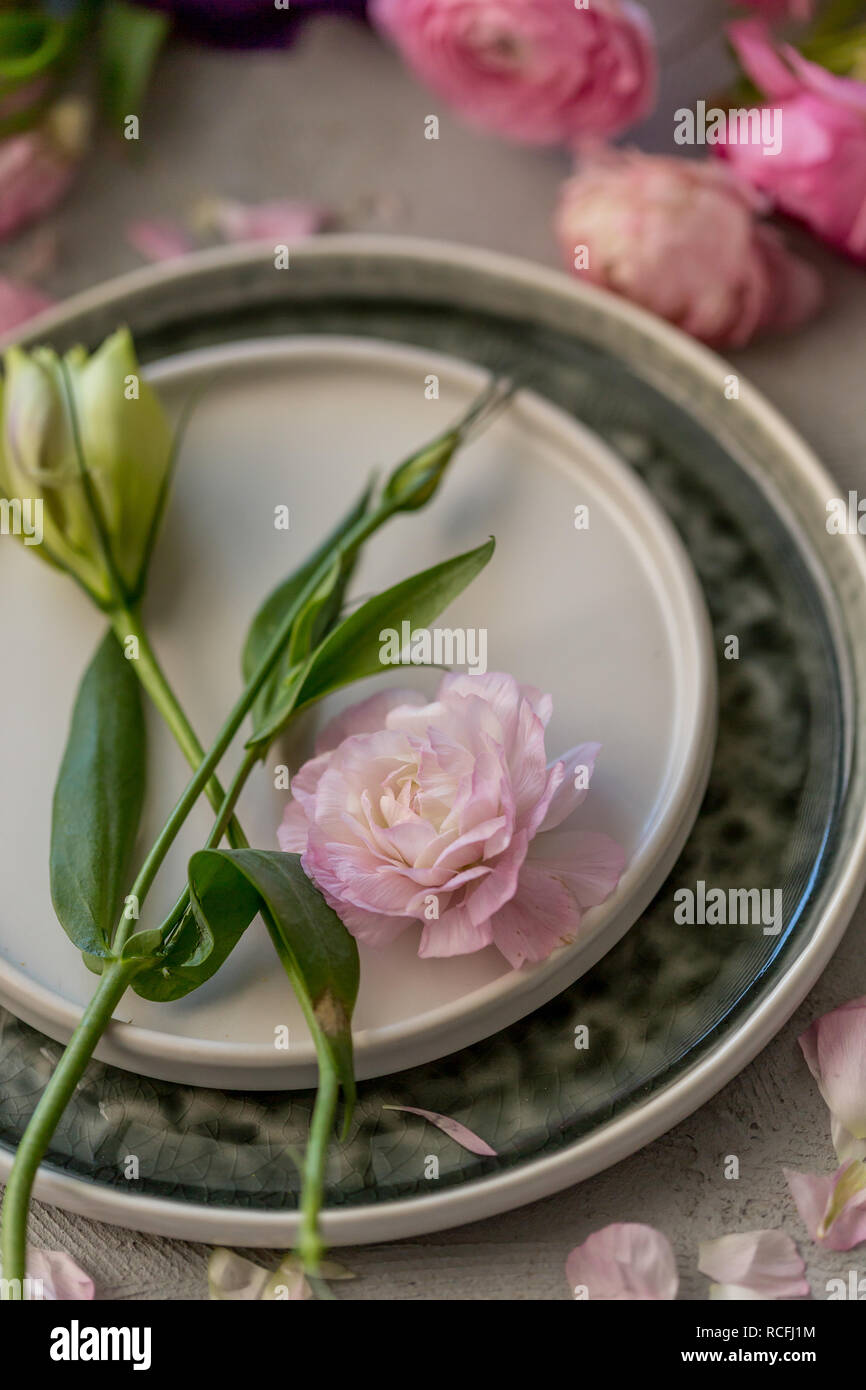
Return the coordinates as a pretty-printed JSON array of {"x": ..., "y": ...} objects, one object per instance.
[
  {"x": 19, "y": 302},
  {"x": 835, "y": 1050},
  {"x": 832, "y": 1205},
  {"x": 624, "y": 1262},
  {"x": 819, "y": 174},
  {"x": 38, "y": 166},
  {"x": 440, "y": 814},
  {"x": 536, "y": 71},
  {"x": 753, "y": 1265},
  {"x": 683, "y": 239}
]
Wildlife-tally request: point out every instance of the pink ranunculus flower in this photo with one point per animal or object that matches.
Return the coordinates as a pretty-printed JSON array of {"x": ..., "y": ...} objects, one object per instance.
[
  {"x": 625, "y": 1262},
  {"x": 835, "y": 1050},
  {"x": 38, "y": 166},
  {"x": 819, "y": 174},
  {"x": 441, "y": 813},
  {"x": 536, "y": 71},
  {"x": 683, "y": 239}
]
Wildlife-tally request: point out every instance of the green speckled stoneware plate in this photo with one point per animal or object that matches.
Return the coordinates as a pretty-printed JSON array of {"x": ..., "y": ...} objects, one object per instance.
[{"x": 678, "y": 1007}]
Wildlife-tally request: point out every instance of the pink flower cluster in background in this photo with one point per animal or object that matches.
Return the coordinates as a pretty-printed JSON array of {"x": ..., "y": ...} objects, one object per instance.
[
  {"x": 442, "y": 814},
  {"x": 542, "y": 73},
  {"x": 685, "y": 240},
  {"x": 819, "y": 176}
]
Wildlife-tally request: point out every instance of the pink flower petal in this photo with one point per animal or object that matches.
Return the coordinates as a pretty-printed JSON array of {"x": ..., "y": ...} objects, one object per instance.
[
  {"x": 758, "y": 1264},
  {"x": 453, "y": 1128},
  {"x": 834, "y": 1047},
  {"x": 159, "y": 240},
  {"x": 366, "y": 717},
  {"x": 832, "y": 1205},
  {"x": 55, "y": 1277},
  {"x": 567, "y": 796},
  {"x": 279, "y": 220},
  {"x": 18, "y": 303},
  {"x": 623, "y": 1262}
]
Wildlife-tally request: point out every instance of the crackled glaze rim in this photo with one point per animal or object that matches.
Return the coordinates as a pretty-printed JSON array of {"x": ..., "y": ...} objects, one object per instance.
[{"x": 692, "y": 376}]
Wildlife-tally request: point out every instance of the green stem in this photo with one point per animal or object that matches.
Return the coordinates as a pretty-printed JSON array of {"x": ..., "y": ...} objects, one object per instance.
[
  {"x": 45, "y": 1118},
  {"x": 310, "y": 1245},
  {"x": 126, "y": 623}
]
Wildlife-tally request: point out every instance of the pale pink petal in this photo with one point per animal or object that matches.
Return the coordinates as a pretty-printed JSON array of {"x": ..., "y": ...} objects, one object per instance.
[
  {"x": 588, "y": 863},
  {"x": 158, "y": 240},
  {"x": 60, "y": 1277},
  {"x": 832, "y": 1205},
  {"x": 454, "y": 934},
  {"x": 278, "y": 220},
  {"x": 293, "y": 830},
  {"x": 366, "y": 717},
  {"x": 567, "y": 796},
  {"x": 453, "y": 1128},
  {"x": 542, "y": 916},
  {"x": 623, "y": 1262},
  {"x": 834, "y": 1047},
  {"x": 18, "y": 303},
  {"x": 759, "y": 1264}
]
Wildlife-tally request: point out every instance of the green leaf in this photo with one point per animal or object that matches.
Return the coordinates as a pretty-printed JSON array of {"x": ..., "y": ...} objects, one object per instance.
[
  {"x": 229, "y": 886},
  {"x": 222, "y": 906},
  {"x": 129, "y": 42},
  {"x": 351, "y": 650},
  {"x": 98, "y": 800},
  {"x": 319, "y": 618}
]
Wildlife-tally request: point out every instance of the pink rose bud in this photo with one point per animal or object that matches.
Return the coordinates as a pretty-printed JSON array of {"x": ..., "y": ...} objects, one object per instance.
[
  {"x": 819, "y": 173},
  {"x": 37, "y": 167},
  {"x": 683, "y": 239},
  {"x": 537, "y": 71}
]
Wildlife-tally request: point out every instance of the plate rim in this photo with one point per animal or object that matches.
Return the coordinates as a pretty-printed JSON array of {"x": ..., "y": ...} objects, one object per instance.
[
  {"x": 447, "y": 1028},
  {"x": 691, "y": 1088}
]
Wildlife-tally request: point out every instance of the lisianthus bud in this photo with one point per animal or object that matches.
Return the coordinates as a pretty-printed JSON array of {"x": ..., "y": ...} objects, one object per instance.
[
  {"x": 416, "y": 479},
  {"x": 414, "y": 482},
  {"x": 97, "y": 525}
]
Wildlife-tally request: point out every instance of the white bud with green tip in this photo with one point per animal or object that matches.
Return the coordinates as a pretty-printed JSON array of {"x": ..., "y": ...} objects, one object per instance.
[{"x": 89, "y": 439}]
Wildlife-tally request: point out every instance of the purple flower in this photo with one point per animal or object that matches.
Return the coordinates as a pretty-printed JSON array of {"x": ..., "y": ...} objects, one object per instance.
[{"x": 249, "y": 23}]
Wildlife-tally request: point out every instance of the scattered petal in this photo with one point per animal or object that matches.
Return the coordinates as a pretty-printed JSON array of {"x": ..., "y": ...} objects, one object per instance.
[
  {"x": 279, "y": 220},
  {"x": 754, "y": 1265},
  {"x": 834, "y": 1047},
  {"x": 626, "y": 1261},
  {"x": 832, "y": 1205},
  {"x": 159, "y": 240},
  {"x": 56, "y": 1278},
  {"x": 453, "y": 1128},
  {"x": 232, "y": 1277}
]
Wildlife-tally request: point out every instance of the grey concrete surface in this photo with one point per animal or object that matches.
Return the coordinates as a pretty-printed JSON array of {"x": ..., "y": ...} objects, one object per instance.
[{"x": 339, "y": 120}]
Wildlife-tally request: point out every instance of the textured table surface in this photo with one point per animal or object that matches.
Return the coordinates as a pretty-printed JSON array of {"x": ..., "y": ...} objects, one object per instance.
[{"x": 264, "y": 125}]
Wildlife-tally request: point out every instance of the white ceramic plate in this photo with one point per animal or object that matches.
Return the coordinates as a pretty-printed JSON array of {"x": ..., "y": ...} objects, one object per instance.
[{"x": 609, "y": 619}]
